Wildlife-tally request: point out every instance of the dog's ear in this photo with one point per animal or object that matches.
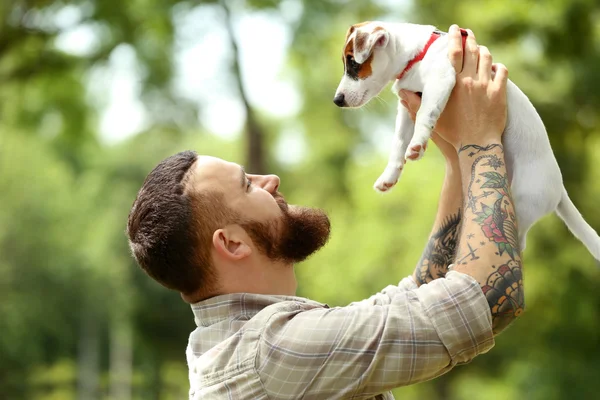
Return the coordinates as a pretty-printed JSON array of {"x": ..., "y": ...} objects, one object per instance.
[{"x": 365, "y": 42}]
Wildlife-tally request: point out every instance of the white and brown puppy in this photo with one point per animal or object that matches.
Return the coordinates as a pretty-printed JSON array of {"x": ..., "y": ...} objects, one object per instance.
[{"x": 416, "y": 58}]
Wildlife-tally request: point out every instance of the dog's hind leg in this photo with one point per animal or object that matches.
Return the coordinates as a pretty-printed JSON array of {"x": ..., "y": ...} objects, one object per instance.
[
  {"x": 535, "y": 195},
  {"x": 402, "y": 135}
]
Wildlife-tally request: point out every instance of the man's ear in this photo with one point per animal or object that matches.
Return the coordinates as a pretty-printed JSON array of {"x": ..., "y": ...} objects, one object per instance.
[
  {"x": 365, "y": 43},
  {"x": 231, "y": 243}
]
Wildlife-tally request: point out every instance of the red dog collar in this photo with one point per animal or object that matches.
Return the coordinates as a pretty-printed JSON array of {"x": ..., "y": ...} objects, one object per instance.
[{"x": 434, "y": 36}]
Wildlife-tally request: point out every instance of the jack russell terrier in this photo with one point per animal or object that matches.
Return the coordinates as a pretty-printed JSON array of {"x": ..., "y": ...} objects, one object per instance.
[{"x": 416, "y": 58}]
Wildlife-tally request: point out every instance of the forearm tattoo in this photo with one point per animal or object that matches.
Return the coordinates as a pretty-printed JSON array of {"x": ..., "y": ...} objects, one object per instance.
[
  {"x": 440, "y": 250},
  {"x": 504, "y": 293},
  {"x": 489, "y": 204},
  {"x": 478, "y": 148}
]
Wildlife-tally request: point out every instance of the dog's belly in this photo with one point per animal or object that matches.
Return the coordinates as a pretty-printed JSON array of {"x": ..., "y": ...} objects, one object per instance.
[
  {"x": 536, "y": 180},
  {"x": 525, "y": 139}
]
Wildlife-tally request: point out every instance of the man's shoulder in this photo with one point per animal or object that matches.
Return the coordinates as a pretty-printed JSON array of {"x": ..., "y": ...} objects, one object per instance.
[
  {"x": 238, "y": 319},
  {"x": 224, "y": 344}
]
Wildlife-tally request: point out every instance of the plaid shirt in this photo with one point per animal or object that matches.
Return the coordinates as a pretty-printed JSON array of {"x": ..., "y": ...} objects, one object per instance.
[{"x": 251, "y": 346}]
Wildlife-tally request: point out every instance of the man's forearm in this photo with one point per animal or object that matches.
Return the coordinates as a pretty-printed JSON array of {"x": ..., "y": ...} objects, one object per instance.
[
  {"x": 488, "y": 247},
  {"x": 442, "y": 244}
]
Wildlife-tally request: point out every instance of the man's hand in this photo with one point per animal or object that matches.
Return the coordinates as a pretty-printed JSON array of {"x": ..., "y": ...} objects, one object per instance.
[
  {"x": 476, "y": 109},
  {"x": 411, "y": 101}
]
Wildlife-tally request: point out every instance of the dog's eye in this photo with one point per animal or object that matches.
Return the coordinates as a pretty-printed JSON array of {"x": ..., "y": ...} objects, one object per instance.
[
  {"x": 352, "y": 62},
  {"x": 352, "y": 67}
]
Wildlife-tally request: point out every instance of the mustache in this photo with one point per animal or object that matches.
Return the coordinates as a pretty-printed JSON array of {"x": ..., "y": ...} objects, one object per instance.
[{"x": 281, "y": 201}]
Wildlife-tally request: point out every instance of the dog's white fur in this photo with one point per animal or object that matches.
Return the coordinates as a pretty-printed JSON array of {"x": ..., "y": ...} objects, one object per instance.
[{"x": 537, "y": 186}]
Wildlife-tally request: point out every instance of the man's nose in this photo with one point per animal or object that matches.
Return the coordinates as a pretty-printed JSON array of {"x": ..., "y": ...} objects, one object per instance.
[
  {"x": 339, "y": 100},
  {"x": 270, "y": 183}
]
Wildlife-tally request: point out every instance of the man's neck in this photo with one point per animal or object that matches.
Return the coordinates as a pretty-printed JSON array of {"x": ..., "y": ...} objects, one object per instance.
[{"x": 261, "y": 277}]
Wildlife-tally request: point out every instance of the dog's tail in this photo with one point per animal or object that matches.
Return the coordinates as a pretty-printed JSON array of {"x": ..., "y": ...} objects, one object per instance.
[{"x": 567, "y": 211}]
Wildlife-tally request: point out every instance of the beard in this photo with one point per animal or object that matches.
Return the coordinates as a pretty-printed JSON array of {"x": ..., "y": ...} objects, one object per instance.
[{"x": 298, "y": 234}]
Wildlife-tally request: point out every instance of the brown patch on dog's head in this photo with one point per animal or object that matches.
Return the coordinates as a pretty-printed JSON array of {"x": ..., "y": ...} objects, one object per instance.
[
  {"x": 354, "y": 27},
  {"x": 360, "y": 40},
  {"x": 352, "y": 68},
  {"x": 348, "y": 50},
  {"x": 349, "y": 32},
  {"x": 349, "y": 44},
  {"x": 357, "y": 41},
  {"x": 365, "y": 69}
]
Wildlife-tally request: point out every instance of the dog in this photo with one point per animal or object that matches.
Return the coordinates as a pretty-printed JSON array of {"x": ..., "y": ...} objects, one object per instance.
[{"x": 416, "y": 58}]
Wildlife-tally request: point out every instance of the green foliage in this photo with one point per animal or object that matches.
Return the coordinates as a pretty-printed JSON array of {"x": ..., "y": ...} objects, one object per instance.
[{"x": 67, "y": 281}]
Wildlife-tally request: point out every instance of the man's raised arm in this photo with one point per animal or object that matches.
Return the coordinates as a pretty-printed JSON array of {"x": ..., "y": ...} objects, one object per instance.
[
  {"x": 489, "y": 242},
  {"x": 488, "y": 247},
  {"x": 441, "y": 247},
  {"x": 476, "y": 225}
]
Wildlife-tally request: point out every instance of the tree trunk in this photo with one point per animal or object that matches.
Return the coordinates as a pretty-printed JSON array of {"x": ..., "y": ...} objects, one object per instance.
[
  {"x": 442, "y": 387},
  {"x": 121, "y": 359},
  {"x": 255, "y": 157},
  {"x": 87, "y": 363}
]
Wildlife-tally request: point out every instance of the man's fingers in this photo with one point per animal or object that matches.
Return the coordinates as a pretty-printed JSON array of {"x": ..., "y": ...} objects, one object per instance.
[
  {"x": 412, "y": 114},
  {"x": 471, "y": 58},
  {"x": 455, "y": 48},
  {"x": 412, "y": 100},
  {"x": 501, "y": 73},
  {"x": 485, "y": 64}
]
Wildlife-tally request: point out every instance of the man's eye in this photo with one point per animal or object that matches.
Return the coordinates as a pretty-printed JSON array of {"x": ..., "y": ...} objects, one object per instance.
[{"x": 248, "y": 184}]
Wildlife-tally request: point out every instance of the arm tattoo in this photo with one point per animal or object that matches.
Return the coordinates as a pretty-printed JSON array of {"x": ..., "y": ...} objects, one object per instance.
[
  {"x": 478, "y": 148},
  {"x": 489, "y": 204},
  {"x": 498, "y": 221},
  {"x": 504, "y": 293},
  {"x": 440, "y": 250}
]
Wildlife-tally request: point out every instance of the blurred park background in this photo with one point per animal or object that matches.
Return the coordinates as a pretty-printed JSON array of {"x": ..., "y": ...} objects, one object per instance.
[{"x": 94, "y": 93}]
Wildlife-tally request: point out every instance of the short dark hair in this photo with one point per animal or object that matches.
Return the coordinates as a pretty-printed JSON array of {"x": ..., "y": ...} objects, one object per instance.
[{"x": 170, "y": 227}]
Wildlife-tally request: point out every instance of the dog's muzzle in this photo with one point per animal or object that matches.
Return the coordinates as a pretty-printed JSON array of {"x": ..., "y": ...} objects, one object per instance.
[{"x": 339, "y": 100}]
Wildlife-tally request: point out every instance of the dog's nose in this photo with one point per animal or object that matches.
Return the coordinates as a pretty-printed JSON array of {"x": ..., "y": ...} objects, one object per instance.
[{"x": 339, "y": 100}]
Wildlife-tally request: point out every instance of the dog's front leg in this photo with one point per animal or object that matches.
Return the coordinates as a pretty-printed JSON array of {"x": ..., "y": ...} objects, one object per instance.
[
  {"x": 435, "y": 96},
  {"x": 403, "y": 132}
]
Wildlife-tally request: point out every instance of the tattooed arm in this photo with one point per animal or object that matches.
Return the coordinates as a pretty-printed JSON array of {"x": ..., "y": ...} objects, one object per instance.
[
  {"x": 441, "y": 246},
  {"x": 473, "y": 122},
  {"x": 489, "y": 242},
  {"x": 440, "y": 250},
  {"x": 488, "y": 248}
]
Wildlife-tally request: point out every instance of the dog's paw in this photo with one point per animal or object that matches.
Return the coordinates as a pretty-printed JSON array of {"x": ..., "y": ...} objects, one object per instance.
[
  {"x": 415, "y": 151},
  {"x": 388, "y": 179},
  {"x": 382, "y": 186}
]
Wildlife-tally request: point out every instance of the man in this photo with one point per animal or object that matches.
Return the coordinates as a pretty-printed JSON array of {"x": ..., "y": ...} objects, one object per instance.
[{"x": 227, "y": 241}]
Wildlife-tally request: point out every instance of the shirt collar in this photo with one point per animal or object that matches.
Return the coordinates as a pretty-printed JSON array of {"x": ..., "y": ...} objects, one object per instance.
[{"x": 228, "y": 306}]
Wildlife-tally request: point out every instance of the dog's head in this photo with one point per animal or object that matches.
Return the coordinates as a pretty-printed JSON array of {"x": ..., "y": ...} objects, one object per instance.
[{"x": 366, "y": 64}]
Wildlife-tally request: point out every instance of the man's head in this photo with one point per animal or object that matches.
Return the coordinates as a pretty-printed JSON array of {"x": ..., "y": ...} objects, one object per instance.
[{"x": 202, "y": 226}]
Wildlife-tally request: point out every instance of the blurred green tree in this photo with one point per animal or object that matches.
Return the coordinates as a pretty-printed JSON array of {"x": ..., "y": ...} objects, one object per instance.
[{"x": 80, "y": 320}]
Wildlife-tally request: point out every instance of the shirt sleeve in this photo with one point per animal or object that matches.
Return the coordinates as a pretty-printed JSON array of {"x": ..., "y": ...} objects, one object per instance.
[
  {"x": 367, "y": 349},
  {"x": 388, "y": 293}
]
